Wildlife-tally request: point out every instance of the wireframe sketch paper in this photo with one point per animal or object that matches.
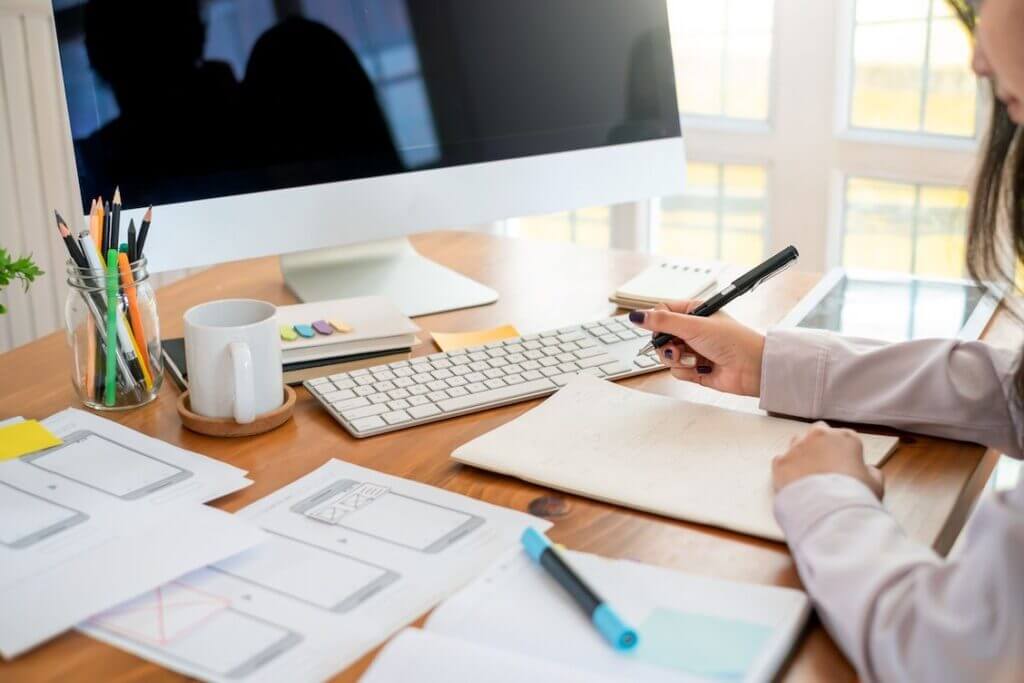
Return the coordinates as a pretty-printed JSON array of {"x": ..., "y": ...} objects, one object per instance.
[
  {"x": 515, "y": 618},
  {"x": 353, "y": 555},
  {"x": 126, "y": 464},
  {"x": 690, "y": 461}
]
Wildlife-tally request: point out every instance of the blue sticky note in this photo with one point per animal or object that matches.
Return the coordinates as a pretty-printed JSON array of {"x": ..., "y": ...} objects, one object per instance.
[{"x": 700, "y": 644}]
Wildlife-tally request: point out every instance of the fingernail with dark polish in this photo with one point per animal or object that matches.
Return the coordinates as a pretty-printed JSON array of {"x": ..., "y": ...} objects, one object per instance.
[
  {"x": 668, "y": 353},
  {"x": 637, "y": 317},
  {"x": 704, "y": 369}
]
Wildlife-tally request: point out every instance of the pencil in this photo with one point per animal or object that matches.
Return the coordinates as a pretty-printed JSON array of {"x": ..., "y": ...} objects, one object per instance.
[
  {"x": 97, "y": 229},
  {"x": 143, "y": 232},
  {"x": 107, "y": 225},
  {"x": 134, "y": 317},
  {"x": 78, "y": 258},
  {"x": 133, "y": 243},
  {"x": 110, "y": 386},
  {"x": 115, "y": 220},
  {"x": 73, "y": 251}
]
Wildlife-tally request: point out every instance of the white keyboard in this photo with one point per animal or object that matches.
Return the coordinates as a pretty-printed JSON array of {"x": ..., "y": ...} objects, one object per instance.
[{"x": 408, "y": 393}]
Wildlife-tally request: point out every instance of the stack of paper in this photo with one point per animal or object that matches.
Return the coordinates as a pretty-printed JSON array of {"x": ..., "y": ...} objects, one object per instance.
[
  {"x": 353, "y": 556},
  {"x": 104, "y": 516},
  {"x": 686, "y": 460}
]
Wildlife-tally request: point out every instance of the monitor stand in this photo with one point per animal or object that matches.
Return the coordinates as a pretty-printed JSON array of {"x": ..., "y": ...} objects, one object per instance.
[{"x": 390, "y": 268}]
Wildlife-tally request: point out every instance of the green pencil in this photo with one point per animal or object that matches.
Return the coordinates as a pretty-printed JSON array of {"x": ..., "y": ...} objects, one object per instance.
[{"x": 110, "y": 389}]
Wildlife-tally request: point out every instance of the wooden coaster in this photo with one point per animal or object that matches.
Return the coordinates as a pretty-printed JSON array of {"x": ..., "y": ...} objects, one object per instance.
[{"x": 226, "y": 426}]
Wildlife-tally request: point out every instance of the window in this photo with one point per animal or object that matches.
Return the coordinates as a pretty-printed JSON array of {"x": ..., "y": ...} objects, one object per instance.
[
  {"x": 589, "y": 227},
  {"x": 721, "y": 215},
  {"x": 903, "y": 227},
  {"x": 723, "y": 53},
  {"x": 911, "y": 69}
]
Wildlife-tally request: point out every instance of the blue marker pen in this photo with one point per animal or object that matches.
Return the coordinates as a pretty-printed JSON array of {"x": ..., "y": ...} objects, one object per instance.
[{"x": 608, "y": 623}]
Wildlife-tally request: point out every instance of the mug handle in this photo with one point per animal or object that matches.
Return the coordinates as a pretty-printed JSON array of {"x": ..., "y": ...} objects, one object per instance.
[{"x": 245, "y": 383}]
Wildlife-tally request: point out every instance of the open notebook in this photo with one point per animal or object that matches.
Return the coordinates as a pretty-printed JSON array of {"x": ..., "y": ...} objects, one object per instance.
[
  {"x": 514, "y": 623},
  {"x": 686, "y": 460}
]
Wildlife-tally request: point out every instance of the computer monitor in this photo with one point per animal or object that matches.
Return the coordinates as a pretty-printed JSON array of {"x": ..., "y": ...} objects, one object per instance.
[{"x": 294, "y": 127}]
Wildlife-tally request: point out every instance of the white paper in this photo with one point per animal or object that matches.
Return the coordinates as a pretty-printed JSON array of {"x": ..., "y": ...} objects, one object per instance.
[
  {"x": 690, "y": 461},
  {"x": 426, "y": 657},
  {"x": 353, "y": 556},
  {"x": 518, "y": 607},
  {"x": 126, "y": 464},
  {"x": 67, "y": 552}
]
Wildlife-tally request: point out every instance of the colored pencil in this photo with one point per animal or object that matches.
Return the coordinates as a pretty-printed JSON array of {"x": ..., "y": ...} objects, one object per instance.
[
  {"x": 133, "y": 242},
  {"x": 115, "y": 220},
  {"x": 110, "y": 385},
  {"x": 134, "y": 317},
  {"x": 144, "y": 232},
  {"x": 73, "y": 251},
  {"x": 107, "y": 231}
]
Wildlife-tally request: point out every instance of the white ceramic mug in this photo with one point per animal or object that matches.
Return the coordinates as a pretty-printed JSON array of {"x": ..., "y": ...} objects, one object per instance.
[{"x": 234, "y": 359}]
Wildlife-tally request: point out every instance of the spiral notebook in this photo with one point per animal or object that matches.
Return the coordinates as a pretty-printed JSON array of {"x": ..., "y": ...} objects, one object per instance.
[{"x": 669, "y": 280}]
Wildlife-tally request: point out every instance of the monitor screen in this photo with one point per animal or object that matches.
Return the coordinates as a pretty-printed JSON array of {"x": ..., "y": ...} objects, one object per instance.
[{"x": 181, "y": 100}]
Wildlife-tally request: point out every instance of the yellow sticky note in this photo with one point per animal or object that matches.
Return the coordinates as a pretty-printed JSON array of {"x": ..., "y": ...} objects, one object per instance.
[
  {"x": 449, "y": 341},
  {"x": 25, "y": 437}
]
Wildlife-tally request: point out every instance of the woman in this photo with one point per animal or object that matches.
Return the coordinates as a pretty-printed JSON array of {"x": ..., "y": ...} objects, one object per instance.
[{"x": 899, "y": 611}]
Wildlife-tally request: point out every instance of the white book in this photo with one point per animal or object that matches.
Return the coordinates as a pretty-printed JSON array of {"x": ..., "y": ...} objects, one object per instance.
[
  {"x": 375, "y": 324},
  {"x": 691, "y": 461},
  {"x": 514, "y": 623}
]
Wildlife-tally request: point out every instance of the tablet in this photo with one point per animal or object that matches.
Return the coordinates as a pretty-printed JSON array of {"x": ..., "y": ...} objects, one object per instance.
[{"x": 895, "y": 308}]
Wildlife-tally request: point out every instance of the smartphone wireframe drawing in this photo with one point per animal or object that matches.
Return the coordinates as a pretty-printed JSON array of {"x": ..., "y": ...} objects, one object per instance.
[
  {"x": 309, "y": 573},
  {"x": 378, "y": 512},
  {"x": 26, "y": 519},
  {"x": 104, "y": 465},
  {"x": 220, "y": 640}
]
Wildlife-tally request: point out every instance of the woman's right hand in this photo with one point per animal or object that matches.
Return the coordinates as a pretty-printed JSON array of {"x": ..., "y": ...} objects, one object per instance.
[{"x": 734, "y": 350}]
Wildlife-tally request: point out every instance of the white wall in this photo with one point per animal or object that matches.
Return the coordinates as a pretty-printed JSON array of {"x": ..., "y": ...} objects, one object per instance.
[{"x": 36, "y": 168}]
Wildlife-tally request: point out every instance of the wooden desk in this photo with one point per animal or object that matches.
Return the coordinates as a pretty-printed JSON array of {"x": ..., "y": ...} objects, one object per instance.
[{"x": 931, "y": 483}]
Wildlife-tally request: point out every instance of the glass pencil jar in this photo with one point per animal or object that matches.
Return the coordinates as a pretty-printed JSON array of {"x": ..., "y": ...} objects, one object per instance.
[{"x": 128, "y": 372}]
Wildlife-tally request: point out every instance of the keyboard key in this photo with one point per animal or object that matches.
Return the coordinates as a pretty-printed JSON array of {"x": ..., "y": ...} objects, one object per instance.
[
  {"x": 366, "y": 411},
  {"x": 626, "y": 335},
  {"x": 442, "y": 374},
  {"x": 495, "y": 395},
  {"x": 568, "y": 347},
  {"x": 398, "y": 364},
  {"x": 568, "y": 367},
  {"x": 514, "y": 379},
  {"x": 586, "y": 343},
  {"x": 615, "y": 368},
  {"x": 549, "y": 341},
  {"x": 340, "y": 377},
  {"x": 570, "y": 337},
  {"x": 551, "y": 372},
  {"x": 404, "y": 372},
  {"x": 496, "y": 353},
  {"x": 462, "y": 360},
  {"x": 401, "y": 404},
  {"x": 365, "y": 380},
  {"x": 478, "y": 356},
  {"x": 456, "y": 382},
  {"x": 379, "y": 398},
  {"x": 531, "y": 375},
  {"x": 476, "y": 387},
  {"x": 418, "y": 390},
  {"x": 551, "y": 351},
  {"x": 531, "y": 365},
  {"x": 360, "y": 372},
  {"x": 397, "y": 417},
  {"x": 562, "y": 380},
  {"x": 588, "y": 353},
  {"x": 530, "y": 337},
  {"x": 384, "y": 375},
  {"x": 342, "y": 406},
  {"x": 333, "y": 396},
  {"x": 457, "y": 391},
  {"x": 436, "y": 396},
  {"x": 367, "y": 423},
  {"x": 461, "y": 370},
  {"x": 479, "y": 366},
  {"x": 419, "y": 361},
  {"x": 398, "y": 394},
  {"x": 404, "y": 382},
  {"x": 318, "y": 381},
  {"x": 566, "y": 357},
  {"x": 497, "y": 362},
  {"x": 595, "y": 361},
  {"x": 531, "y": 346},
  {"x": 438, "y": 385},
  {"x": 423, "y": 378},
  {"x": 384, "y": 386},
  {"x": 515, "y": 358},
  {"x": 493, "y": 373},
  {"x": 568, "y": 330},
  {"x": 644, "y": 362},
  {"x": 548, "y": 362},
  {"x": 495, "y": 383},
  {"x": 610, "y": 339},
  {"x": 549, "y": 333},
  {"x": 516, "y": 348},
  {"x": 595, "y": 372},
  {"x": 341, "y": 385},
  {"x": 476, "y": 377},
  {"x": 534, "y": 355},
  {"x": 418, "y": 400},
  {"x": 420, "y": 412},
  {"x": 513, "y": 369},
  {"x": 442, "y": 364},
  {"x": 365, "y": 391}
]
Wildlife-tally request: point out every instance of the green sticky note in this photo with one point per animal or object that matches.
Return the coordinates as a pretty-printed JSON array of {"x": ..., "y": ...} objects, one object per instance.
[
  {"x": 700, "y": 644},
  {"x": 25, "y": 437}
]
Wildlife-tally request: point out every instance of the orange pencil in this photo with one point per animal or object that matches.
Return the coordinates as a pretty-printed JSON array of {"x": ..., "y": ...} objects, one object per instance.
[
  {"x": 134, "y": 318},
  {"x": 97, "y": 227}
]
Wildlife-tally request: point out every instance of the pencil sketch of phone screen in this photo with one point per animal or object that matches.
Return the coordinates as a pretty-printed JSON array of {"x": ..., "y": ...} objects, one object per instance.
[
  {"x": 26, "y": 519},
  {"x": 378, "y": 512}
]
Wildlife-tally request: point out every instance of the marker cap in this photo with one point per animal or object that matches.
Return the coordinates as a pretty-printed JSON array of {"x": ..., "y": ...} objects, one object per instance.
[{"x": 613, "y": 629}]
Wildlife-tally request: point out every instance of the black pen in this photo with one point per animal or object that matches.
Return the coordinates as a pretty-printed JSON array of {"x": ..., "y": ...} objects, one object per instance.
[{"x": 740, "y": 286}]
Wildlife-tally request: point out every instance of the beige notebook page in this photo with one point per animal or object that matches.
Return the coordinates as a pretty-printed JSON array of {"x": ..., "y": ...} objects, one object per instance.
[{"x": 685, "y": 460}]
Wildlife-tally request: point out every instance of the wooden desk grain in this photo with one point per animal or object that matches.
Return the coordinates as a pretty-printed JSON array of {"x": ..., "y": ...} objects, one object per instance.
[{"x": 931, "y": 483}]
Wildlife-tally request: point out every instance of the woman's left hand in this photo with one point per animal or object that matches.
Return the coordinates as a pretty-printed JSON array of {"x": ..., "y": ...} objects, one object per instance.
[{"x": 824, "y": 450}]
